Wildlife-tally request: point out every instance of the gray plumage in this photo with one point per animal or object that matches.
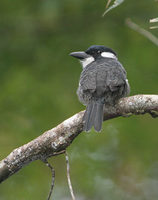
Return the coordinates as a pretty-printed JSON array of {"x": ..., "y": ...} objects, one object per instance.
[{"x": 102, "y": 83}]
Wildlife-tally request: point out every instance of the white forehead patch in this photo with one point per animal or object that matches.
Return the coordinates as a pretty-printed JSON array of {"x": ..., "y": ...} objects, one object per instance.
[
  {"x": 108, "y": 55},
  {"x": 87, "y": 61}
]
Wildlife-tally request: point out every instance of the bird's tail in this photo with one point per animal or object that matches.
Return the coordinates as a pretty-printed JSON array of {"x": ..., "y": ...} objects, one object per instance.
[{"x": 94, "y": 115}]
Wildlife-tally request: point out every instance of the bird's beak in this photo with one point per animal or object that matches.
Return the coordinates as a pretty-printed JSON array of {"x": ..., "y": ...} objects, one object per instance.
[{"x": 80, "y": 55}]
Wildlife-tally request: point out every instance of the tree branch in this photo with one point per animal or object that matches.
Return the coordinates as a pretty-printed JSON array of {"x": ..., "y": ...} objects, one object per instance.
[
  {"x": 53, "y": 177},
  {"x": 142, "y": 31},
  {"x": 68, "y": 176},
  {"x": 56, "y": 140}
]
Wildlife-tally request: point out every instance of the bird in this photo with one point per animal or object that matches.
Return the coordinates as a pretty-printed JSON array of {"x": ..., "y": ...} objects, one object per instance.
[{"x": 103, "y": 81}]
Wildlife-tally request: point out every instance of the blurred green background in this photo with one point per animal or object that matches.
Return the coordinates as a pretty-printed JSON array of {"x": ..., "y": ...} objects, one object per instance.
[{"x": 38, "y": 82}]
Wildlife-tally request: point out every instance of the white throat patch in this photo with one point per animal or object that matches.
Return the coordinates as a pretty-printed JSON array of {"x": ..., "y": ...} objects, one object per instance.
[
  {"x": 108, "y": 55},
  {"x": 86, "y": 61}
]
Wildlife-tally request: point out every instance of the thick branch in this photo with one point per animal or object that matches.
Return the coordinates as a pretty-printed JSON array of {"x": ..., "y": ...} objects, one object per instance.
[{"x": 56, "y": 140}]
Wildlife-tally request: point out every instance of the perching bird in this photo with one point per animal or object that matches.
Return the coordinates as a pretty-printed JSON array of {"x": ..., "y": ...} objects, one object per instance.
[{"x": 102, "y": 83}]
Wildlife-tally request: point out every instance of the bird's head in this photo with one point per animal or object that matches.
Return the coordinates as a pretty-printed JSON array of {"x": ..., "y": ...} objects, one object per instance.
[{"x": 93, "y": 53}]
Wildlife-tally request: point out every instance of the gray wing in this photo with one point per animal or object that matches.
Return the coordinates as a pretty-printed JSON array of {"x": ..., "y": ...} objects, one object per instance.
[
  {"x": 107, "y": 80},
  {"x": 107, "y": 75},
  {"x": 88, "y": 78}
]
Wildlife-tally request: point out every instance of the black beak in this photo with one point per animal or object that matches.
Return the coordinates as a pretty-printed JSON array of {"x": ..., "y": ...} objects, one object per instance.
[{"x": 80, "y": 55}]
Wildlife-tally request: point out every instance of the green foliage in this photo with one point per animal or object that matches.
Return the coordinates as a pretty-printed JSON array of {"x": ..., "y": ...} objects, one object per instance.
[
  {"x": 115, "y": 4},
  {"x": 153, "y": 21}
]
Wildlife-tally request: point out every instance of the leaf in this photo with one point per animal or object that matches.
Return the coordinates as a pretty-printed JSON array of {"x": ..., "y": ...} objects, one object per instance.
[
  {"x": 108, "y": 3},
  {"x": 154, "y": 20},
  {"x": 115, "y": 4},
  {"x": 153, "y": 27}
]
